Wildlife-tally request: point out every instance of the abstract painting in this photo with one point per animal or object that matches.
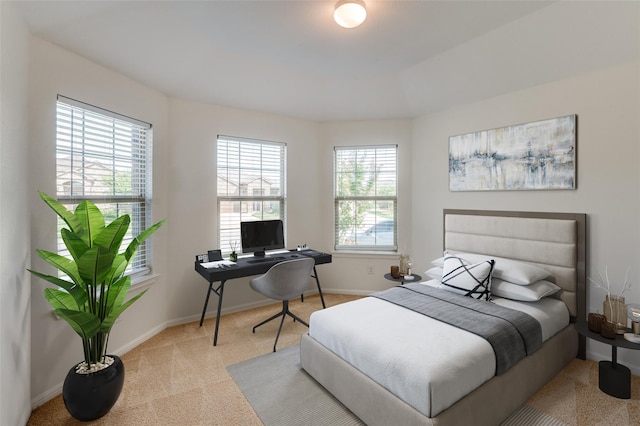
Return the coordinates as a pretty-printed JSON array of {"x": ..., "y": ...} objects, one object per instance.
[{"x": 532, "y": 156}]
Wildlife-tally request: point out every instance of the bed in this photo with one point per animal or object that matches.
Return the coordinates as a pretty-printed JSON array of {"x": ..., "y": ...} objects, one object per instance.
[{"x": 392, "y": 365}]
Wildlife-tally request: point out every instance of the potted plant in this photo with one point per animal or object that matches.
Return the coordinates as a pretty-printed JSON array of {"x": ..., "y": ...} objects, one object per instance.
[{"x": 90, "y": 298}]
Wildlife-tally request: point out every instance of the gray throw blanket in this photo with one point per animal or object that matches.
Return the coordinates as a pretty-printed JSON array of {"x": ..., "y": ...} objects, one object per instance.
[{"x": 512, "y": 334}]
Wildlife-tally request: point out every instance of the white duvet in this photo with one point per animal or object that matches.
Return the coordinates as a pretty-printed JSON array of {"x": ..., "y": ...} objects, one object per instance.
[{"x": 428, "y": 364}]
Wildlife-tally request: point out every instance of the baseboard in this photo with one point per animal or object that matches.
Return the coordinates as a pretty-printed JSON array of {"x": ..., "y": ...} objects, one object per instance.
[
  {"x": 598, "y": 356},
  {"x": 349, "y": 292},
  {"x": 56, "y": 390},
  {"x": 227, "y": 310}
]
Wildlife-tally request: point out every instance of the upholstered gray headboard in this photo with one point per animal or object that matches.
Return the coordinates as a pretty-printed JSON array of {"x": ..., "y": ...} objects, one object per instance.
[{"x": 553, "y": 241}]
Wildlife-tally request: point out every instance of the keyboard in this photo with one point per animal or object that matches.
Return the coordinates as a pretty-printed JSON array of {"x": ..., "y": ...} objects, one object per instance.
[{"x": 266, "y": 259}]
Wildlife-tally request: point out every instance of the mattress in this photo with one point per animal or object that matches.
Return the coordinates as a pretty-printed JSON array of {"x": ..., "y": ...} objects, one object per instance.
[{"x": 428, "y": 364}]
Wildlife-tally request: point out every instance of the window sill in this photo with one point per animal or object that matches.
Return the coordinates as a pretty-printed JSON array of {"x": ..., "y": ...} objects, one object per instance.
[
  {"x": 145, "y": 281},
  {"x": 364, "y": 254}
]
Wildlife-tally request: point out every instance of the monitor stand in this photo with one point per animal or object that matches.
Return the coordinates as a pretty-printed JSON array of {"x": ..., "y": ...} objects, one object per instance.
[{"x": 259, "y": 253}]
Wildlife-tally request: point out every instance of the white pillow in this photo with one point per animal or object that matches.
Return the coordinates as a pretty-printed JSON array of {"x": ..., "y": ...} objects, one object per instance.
[
  {"x": 439, "y": 261},
  {"x": 514, "y": 271},
  {"x": 435, "y": 273},
  {"x": 462, "y": 277},
  {"x": 525, "y": 293}
]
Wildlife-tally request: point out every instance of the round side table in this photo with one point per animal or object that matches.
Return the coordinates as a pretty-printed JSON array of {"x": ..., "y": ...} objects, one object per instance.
[
  {"x": 402, "y": 279},
  {"x": 613, "y": 378}
]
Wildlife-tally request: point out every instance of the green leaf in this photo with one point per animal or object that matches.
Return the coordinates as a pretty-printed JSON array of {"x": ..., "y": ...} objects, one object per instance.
[
  {"x": 64, "y": 213},
  {"x": 61, "y": 263},
  {"x": 85, "y": 324},
  {"x": 108, "y": 322},
  {"x": 118, "y": 267},
  {"x": 94, "y": 265},
  {"x": 117, "y": 292},
  {"x": 77, "y": 292},
  {"x": 92, "y": 220},
  {"x": 111, "y": 236},
  {"x": 133, "y": 245},
  {"x": 59, "y": 299},
  {"x": 74, "y": 244}
]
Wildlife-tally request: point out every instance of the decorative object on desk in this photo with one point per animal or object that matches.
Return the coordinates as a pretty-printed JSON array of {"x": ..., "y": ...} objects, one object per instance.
[
  {"x": 633, "y": 313},
  {"x": 632, "y": 337},
  {"x": 594, "y": 322},
  {"x": 404, "y": 260},
  {"x": 615, "y": 311},
  {"x": 613, "y": 305},
  {"x": 302, "y": 247},
  {"x": 90, "y": 299},
  {"x": 395, "y": 271},
  {"x": 608, "y": 330},
  {"x": 213, "y": 255},
  {"x": 234, "y": 255}
]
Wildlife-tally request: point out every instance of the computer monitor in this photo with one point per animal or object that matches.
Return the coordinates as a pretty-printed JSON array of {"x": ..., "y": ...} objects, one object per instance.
[{"x": 258, "y": 236}]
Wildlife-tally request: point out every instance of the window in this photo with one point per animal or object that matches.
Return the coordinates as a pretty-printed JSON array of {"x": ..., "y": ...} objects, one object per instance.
[
  {"x": 105, "y": 157},
  {"x": 251, "y": 186},
  {"x": 365, "y": 180}
]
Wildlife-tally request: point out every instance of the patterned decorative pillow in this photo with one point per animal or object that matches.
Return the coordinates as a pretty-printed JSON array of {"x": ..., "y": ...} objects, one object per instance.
[{"x": 462, "y": 277}]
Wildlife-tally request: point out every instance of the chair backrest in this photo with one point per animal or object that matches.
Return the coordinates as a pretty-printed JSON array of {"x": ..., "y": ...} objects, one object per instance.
[{"x": 285, "y": 280}]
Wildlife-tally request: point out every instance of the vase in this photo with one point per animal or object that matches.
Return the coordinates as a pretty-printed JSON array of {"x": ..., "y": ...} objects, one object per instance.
[
  {"x": 91, "y": 396},
  {"x": 608, "y": 330},
  {"x": 615, "y": 310},
  {"x": 404, "y": 260},
  {"x": 594, "y": 322},
  {"x": 233, "y": 256}
]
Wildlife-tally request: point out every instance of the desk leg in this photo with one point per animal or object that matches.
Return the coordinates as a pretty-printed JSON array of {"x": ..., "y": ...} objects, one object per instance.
[
  {"x": 614, "y": 379},
  {"x": 215, "y": 335},
  {"x": 315, "y": 275},
  {"x": 206, "y": 302}
]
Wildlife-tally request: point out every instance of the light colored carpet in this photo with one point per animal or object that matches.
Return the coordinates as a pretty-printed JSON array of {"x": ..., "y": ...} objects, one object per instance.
[
  {"x": 282, "y": 394},
  {"x": 178, "y": 378}
]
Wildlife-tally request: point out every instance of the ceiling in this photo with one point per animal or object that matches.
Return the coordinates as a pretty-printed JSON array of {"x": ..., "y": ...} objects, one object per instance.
[{"x": 409, "y": 58}]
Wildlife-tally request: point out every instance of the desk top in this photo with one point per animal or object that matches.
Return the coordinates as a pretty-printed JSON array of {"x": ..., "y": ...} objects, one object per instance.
[{"x": 248, "y": 266}]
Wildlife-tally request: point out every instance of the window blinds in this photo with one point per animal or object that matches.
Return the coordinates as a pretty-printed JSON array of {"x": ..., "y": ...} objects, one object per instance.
[
  {"x": 365, "y": 197},
  {"x": 250, "y": 185},
  {"x": 105, "y": 157}
]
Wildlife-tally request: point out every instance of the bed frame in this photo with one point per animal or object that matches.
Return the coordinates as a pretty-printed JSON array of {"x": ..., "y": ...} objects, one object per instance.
[{"x": 554, "y": 241}]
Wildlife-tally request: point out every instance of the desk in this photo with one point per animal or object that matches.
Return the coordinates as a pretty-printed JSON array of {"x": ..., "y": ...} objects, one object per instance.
[
  {"x": 248, "y": 266},
  {"x": 613, "y": 378}
]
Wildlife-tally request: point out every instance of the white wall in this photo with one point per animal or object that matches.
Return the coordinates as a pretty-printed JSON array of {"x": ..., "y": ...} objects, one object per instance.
[
  {"x": 55, "y": 347},
  {"x": 607, "y": 104},
  {"x": 193, "y": 211},
  {"x": 15, "y": 291},
  {"x": 349, "y": 272},
  {"x": 608, "y": 173}
]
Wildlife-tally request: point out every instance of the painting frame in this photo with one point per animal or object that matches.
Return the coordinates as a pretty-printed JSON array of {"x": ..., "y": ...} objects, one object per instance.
[{"x": 534, "y": 156}]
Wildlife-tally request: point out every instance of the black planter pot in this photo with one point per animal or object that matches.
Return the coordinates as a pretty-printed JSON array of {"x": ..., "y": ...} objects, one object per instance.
[{"x": 91, "y": 396}]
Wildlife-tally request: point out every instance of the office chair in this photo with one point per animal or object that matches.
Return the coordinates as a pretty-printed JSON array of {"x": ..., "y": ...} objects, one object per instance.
[{"x": 284, "y": 281}]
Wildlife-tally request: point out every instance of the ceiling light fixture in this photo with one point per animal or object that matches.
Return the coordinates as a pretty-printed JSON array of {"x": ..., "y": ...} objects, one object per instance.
[{"x": 350, "y": 13}]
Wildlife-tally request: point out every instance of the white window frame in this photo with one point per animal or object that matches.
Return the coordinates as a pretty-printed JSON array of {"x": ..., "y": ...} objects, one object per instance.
[
  {"x": 358, "y": 210},
  {"x": 106, "y": 158},
  {"x": 251, "y": 185}
]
